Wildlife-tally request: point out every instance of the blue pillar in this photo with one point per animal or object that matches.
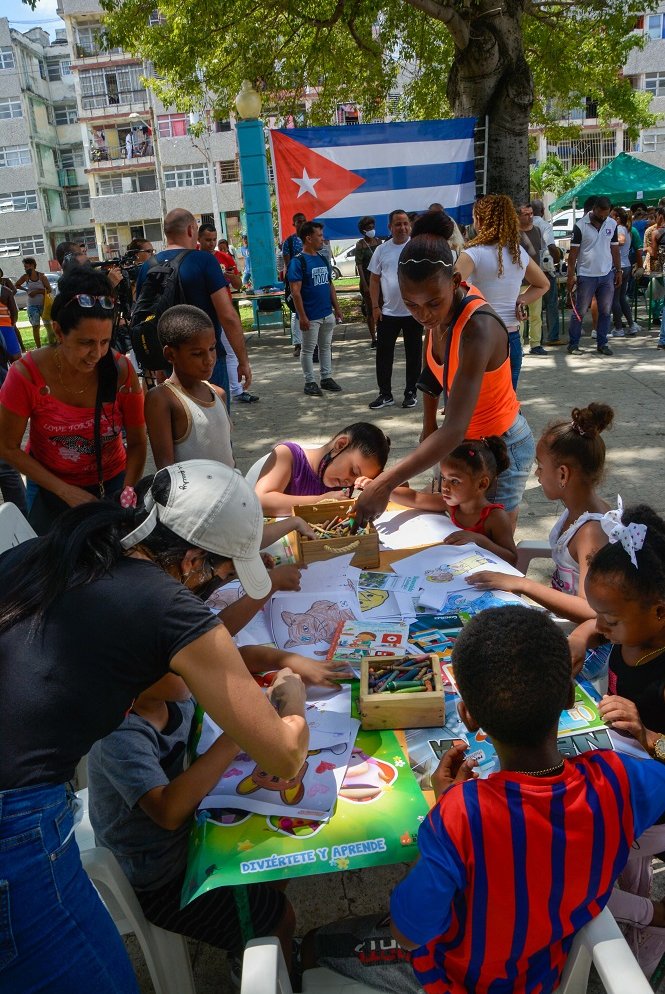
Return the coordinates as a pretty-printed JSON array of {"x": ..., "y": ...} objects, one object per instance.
[{"x": 256, "y": 196}]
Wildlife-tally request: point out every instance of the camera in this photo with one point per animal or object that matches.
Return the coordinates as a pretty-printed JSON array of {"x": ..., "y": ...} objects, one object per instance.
[{"x": 126, "y": 261}]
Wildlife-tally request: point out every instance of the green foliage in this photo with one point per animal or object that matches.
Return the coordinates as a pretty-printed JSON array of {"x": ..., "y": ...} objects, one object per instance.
[
  {"x": 551, "y": 176},
  {"x": 354, "y": 50}
]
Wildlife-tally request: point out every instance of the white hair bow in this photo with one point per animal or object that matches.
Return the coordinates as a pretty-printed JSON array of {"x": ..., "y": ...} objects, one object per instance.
[{"x": 631, "y": 536}]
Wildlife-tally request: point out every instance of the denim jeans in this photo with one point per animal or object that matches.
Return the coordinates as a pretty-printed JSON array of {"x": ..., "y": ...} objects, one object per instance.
[
  {"x": 508, "y": 488},
  {"x": 551, "y": 300},
  {"x": 320, "y": 333},
  {"x": 602, "y": 287},
  {"x": 220, "y": 374},
  {"x": 515, "y": 349},
  {"x": 620, "y": 302},
  {"x": 55, "y": 933},
  {"x": 296, "y": 333}
]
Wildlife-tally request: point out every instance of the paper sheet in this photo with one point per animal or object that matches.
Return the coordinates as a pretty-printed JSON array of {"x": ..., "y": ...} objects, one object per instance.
[
  {"x": 445, "y": 568},
  {"x": 410, "y": 528},
  {"x": 258, "y": 630},
  {"x": 306, "y": 622},
  {"x": 384, "y": 604}
]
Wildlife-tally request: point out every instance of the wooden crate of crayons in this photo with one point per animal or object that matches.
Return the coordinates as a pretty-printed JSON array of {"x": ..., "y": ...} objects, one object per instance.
[
  {"x": 330, "y": 520},
  {"x": 404, "y": 692}
]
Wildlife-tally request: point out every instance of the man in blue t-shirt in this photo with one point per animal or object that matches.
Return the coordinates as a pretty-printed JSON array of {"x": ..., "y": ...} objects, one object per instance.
[
  {"x": 315, "y": 301},
  {"x": 204, "y": 286},
  {"x": 292, "y": 247}
]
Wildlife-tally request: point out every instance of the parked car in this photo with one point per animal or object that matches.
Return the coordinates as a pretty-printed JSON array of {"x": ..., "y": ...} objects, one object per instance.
[
  {"x": 345, "y": 263},
  {"x": 21, "y": 297},
  {"x": 562, "y": 225}
]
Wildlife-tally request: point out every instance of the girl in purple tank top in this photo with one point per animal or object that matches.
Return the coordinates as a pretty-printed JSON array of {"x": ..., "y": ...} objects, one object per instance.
[{"x": 350, "y": 459}]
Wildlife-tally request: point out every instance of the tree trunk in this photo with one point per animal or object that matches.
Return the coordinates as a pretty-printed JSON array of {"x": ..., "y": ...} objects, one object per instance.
[{"x": 490, "y": 78}]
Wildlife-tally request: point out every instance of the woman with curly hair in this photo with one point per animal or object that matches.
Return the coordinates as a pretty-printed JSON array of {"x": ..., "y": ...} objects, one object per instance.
[{"x": 497, "y": 265}]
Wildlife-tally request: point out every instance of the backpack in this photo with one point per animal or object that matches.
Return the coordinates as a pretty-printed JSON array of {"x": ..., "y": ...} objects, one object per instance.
[{"x": 161, "y": 289}]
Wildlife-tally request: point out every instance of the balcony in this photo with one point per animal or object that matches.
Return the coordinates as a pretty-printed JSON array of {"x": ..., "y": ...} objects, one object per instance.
[
  {"x": 85, "y": 56},
  {"x": 109, "y": 158},
  {"x": 102, "y": 107}
]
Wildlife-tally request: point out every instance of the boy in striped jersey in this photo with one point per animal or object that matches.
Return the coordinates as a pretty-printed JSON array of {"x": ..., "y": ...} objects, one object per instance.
[{"x": 513, "y": 866}]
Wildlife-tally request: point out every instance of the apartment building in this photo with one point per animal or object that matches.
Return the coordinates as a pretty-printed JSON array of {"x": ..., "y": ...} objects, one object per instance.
[
  {"x": 43, "y": 187},
  {"x": 646, "y": 70},
  {"x": 139, "y": 158}
]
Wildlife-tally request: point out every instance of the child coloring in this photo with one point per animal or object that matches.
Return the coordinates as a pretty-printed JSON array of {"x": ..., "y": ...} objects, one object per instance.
[
  {"x": 570, "y": 457},
  {"x": 186, "y": 415},
  {"x": 350, "y": 459},
  {"x": 625, "y": 586},
  {"x": 466, "y": 475}
]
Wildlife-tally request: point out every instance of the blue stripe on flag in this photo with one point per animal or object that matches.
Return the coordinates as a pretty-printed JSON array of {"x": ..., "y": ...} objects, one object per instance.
[
  {"x": 392, "y": 179},
  {"x": 347, "y": 227},
  {"x": 383, "y": 134}
]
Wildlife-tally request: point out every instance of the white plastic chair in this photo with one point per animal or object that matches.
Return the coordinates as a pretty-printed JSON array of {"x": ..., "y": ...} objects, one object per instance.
[
  {"x": 529, "y": 550},
  {"x": 253, "y": 473},
  {"x": 600, "y": 941},
  {"x": 14, "y": 528},
  {"x": 166, "y": 953}
]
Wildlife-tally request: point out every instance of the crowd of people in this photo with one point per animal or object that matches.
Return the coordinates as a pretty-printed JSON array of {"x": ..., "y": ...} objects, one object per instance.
[{"x": 106, "y": 641}]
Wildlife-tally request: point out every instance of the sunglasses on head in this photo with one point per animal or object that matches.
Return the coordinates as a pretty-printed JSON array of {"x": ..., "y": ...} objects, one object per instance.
[{"x": 90, "y": 299}]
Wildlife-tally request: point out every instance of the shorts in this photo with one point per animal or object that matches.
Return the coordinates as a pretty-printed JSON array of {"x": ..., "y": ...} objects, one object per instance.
[
  {"x": 35, "y": 314},
  {"x": 509, "y": 487},
  {"x": 12, "y": 346},
  {"x": 364, "y": 950}
]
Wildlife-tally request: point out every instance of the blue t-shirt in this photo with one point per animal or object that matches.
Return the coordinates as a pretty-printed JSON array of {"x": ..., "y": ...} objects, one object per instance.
[
  {"x": 201, "y": 276},
  {"x": 314, "y": 273},
  {"x": 641, "y": 226},
  {"x": 292, "y": 246}
]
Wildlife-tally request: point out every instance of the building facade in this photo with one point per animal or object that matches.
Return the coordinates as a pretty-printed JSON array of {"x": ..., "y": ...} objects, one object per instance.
[{"x": 43, "y": 187}]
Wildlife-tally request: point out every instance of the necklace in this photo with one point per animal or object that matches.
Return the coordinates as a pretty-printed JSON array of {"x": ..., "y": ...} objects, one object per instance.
[
  {"x": 542, "y": 773},
  {"x": 58, "y": 363},
  {"x": 649, "y": 655}
]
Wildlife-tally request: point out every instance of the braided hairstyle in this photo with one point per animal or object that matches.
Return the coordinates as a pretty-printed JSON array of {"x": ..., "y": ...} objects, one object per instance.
[
  {"x": 647, "y": 582},
  {"x": 496, "y": 222},
  {"x": 578, "y": 440}
]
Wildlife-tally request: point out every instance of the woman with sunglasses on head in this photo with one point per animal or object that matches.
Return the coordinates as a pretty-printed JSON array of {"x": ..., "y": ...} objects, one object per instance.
[{"x": 79, "y": 396}]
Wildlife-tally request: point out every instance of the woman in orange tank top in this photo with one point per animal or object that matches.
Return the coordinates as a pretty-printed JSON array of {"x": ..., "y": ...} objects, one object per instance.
[{"x": 468, "y": 362}]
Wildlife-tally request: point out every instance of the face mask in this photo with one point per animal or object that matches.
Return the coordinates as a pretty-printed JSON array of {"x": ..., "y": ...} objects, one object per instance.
[{"x": 370, "y": 233}]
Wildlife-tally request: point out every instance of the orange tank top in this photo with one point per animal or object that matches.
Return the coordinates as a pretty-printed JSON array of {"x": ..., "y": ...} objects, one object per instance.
[
  {"x": 497, "y": 405},
  {"x": 5, "y": 316}
]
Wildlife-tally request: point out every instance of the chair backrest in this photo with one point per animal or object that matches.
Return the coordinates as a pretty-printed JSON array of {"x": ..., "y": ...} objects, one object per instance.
[
  {"x": 600, "y": 941},
  {"x": 253, "y": 473},
  {"x": 14, "y": 528}
]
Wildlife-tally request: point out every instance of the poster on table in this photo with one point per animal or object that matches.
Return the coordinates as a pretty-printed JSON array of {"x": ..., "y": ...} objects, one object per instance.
[{"x": 374, "y": 823}]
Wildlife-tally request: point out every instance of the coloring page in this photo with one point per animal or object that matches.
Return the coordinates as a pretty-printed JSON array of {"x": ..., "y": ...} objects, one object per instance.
[
  {"x": 306, "y": 623},
  {"x": 258, "y": 630},
  {"x": 410, "y": 528},
  {"x": 445, "y": 568},
  {"x": 383, "y": 604},
  {"x": 330, "y": 575},
  {"x": 371, "y": 580}
]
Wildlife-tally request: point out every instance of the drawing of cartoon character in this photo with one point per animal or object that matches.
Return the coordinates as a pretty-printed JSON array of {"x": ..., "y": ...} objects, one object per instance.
[
  {"x": 362, "y": 640},
  {"x": 369, "y": 599},
  {"x": 290, "y": 791},
  {"x": 440, "y": 574},
  {"x": 366, "y": 778},
  {"x": 317, "y": 624},
  {"x": 296, "y": 828}
]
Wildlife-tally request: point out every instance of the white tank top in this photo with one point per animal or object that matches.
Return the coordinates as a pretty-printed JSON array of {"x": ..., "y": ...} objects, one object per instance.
[
  {"x": 566, "y": 576},
  {"x": 208, "y": 432}
]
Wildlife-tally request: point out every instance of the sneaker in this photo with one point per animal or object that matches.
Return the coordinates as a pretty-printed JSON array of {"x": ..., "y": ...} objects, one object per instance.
[
  {"x": 593, "y": 333},
  {"x": 659, "y": 346},
  {"x": 296, "y": 351},
  {"x": 329, "y": 384},
  {"x": 604, "y": 350},
  {"x": 574, "y": 350},
  {"x": 247, "y": 398},
  {"x": 611, "y": 333},
  {"x": 634, "y": 329},
  {"x": 372, "y": 344},
  {"x": 313, "y": 390},
  {"x": 383, "y": 400},
  {"x": 617, "y": 333},
  {"x": 538, "y": 350},
  {"x": 410, "y": 399}
]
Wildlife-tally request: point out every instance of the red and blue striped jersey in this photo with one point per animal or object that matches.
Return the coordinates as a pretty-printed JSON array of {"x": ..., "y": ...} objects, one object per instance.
[{"x": 513, "y": 866}]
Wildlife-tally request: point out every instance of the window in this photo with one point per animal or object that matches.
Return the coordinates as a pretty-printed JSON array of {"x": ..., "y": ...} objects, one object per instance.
[
  {"x": 655, "y": 27},
  {"x": 14, "y": 155},
  {"x": 67, "y": 114},
  {"x": 105, "y": 87},
  {"x": 146, "y": 181},
  {"x": 654, "y": 83},
  {"x": 20, "y": 200},
  {"x": 653, "y": 141},
  {"x": 156, "y": 18},
  {"x": 7, "y": 59},
  {"x": 87, "y": 236},
  {"x": 26, "y": 245},
  {"x": 78, "y": 199},
  {"x": 42, "y": 69},
  {"x": 109, "y": 186},
  {"x": 10, "y": 107},
  {"x": 228, "y": 171},
  {"x": 194, "y": 175},
  {"x": 70, "y": 158},
  {"x": 172, "y": 125},
  {"x": 90, "y": 40},
  {"x": 65, "y": 67},
  {"x": 57, "y": 68}
]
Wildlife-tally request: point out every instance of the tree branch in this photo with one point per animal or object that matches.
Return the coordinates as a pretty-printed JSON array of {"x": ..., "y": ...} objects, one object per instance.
[{"x": 456, "y": 24}]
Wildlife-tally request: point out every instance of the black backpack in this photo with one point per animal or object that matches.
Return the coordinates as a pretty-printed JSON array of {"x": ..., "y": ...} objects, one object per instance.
[{"x": 161, "y": 289}]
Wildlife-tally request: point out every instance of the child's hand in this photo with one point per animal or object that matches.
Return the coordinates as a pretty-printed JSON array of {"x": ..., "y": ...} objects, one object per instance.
[
  {"x": 361, "y": 483},
  {"x": 285, "y": 578},
  {"x": 267, "y": 560},
  {"x": 487, "y": 580},
  {"x": 578, "y": 647},
  {"x": 622, "y": 715},
  {"x": 288, "y": 693},
  {"x": 453, "y": 768},
  {"x": 319, "y": 672},
  {"x": 460, "y": 538},
  {"x": 300, "y": 525}
]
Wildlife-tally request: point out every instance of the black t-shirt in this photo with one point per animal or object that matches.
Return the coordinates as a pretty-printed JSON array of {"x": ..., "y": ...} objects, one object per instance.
[
  {"x": 644, "y": 685},
  {"x": 68, "y": 680}
]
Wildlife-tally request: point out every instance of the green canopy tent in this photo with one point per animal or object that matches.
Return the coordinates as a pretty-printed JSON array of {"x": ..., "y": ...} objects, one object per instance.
[{"x": 624, "y": 180}]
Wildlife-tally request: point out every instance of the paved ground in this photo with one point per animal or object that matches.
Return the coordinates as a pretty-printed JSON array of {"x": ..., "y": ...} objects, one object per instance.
[{"x": 633, "y": 382}]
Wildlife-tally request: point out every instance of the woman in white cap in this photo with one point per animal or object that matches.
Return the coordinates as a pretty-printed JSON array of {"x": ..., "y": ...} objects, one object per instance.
[{"x": 92, "y": 614}]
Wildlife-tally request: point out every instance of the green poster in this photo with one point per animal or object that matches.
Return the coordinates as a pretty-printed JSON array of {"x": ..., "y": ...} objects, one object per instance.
[{"x": 375, "y": 822}]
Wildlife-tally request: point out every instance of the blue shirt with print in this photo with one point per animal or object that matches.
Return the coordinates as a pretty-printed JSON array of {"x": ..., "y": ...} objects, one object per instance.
[{"x": 314, "y": 273}]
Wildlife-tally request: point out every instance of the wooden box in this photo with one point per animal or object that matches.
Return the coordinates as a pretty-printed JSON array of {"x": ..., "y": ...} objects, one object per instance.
[
  {"x": 310, "y": 550},
  {"x": 413, "y": 710}
]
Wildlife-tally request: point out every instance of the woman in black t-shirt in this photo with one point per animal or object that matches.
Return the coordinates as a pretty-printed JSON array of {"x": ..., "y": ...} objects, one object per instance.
[{"x": 94, "y": 614}]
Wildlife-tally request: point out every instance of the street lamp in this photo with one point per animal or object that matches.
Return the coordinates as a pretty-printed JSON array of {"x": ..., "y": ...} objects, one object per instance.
[{"x": 255, "y": 186}]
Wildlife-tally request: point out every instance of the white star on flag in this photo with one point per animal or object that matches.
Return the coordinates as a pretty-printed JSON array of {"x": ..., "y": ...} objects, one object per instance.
[{"x": 306, "y": 183}]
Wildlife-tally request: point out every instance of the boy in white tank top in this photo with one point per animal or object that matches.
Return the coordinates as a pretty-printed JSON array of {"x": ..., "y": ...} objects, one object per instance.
[{"x": 186, "y": 416}]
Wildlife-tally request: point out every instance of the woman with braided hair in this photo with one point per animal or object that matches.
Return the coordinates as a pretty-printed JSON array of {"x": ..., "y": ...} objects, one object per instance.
[{"x": 497, "y": 265}]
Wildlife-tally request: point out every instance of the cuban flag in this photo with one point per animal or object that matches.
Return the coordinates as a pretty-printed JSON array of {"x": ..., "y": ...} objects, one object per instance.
[{"x": 337, "y": 175}]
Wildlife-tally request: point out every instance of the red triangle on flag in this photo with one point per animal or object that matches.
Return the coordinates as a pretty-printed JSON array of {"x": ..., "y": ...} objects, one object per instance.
[{"x": 306, "y": 181}]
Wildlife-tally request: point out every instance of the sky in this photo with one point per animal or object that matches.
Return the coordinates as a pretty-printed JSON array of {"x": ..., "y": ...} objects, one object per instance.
[{"x": 44, "y": 16}]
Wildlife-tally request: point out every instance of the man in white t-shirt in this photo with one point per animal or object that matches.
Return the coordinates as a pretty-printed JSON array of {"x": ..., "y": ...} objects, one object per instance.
[
  {"x": 594, "y": 269},
  {"x": 392, "y": 316}
]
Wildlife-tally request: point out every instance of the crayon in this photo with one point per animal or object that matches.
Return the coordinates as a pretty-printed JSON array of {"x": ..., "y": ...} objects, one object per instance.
[
  {"x": 406, "y": 685},
  {"x": 409, "y": 690}
]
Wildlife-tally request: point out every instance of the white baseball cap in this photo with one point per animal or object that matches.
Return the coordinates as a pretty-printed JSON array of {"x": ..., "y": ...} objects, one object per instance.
[{"x": 214, "y": 508}]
